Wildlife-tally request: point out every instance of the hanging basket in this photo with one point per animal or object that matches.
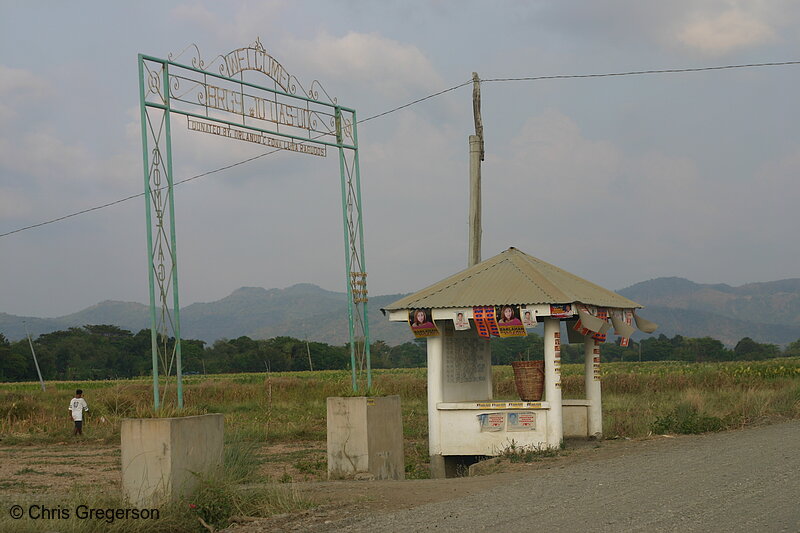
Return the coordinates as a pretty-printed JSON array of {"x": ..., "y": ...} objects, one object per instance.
[{"x": 529, "y": 378}]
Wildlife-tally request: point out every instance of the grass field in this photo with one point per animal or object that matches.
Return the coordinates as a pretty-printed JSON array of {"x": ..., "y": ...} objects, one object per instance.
[
  {"x": 275, "y": 423},
  {"x": 290, "y": 407}
]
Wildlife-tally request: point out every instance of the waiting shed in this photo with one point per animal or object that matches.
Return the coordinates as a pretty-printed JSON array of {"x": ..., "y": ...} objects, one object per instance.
[{"x": 504, "y": 296}]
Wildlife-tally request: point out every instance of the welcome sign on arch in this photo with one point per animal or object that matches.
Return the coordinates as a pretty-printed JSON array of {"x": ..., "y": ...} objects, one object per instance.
[{"x": 227, "y": 97}]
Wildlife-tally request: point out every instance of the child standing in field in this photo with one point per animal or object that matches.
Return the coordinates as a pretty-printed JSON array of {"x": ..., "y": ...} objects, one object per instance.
[{"x": 77, "y": 406}]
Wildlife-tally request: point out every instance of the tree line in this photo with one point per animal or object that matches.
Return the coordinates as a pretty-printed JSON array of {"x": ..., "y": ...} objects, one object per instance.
[
  {"x": 661, "y": 348},
  {"x": 109, "y": 352}
]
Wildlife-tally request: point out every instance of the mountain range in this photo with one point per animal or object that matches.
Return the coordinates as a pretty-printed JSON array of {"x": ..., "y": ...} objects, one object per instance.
[
  {"x": 765, "y": 312},
  {"x": 303, "y": 311}
]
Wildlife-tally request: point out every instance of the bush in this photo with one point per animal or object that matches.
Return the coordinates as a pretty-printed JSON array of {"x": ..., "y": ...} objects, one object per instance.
[{"x": 686, "y": 419}]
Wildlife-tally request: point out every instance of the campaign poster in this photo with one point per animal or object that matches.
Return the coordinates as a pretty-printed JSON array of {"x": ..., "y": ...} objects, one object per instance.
[
  {"x": 528, "y": 318},
  {"x": 485, "y": 323},
  {"x": 521, "y": 421},
  {"x": 560, "y": 311},
  {"x": 509, "y": 323},
  {"x": 579, "y": 327},
  {"x": 421, "y": 322},
  {"x": 461, "y": 322},
  {"x": 491, "y": 422}
]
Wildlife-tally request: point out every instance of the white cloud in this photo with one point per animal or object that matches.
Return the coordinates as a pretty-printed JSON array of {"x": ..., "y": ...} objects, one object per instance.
[
  {"x": 368, "y": 59},
  {"x": 550, "y": 149},
  {"x": 722, "y": 32},
  {"x": 22, "y": 83},
  {"x": 45, "y": 156},
  {"x": 240, "y": 26},
  {"x": 19, "y": 87}
]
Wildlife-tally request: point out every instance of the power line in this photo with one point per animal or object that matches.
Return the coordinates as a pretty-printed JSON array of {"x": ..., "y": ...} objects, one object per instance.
[
  {"x": 414, "y": 102},
  {"x": 641, "y": 72},
  {"x": 453, "y": 88}
]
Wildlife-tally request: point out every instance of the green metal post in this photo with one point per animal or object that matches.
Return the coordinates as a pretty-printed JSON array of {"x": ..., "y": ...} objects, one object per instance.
[
  {"x": 346, "y": 248},
  {"x": 361, "y": 247},
  {"x": 171, "y": 199},
  {"x": 151, "y": 274}
]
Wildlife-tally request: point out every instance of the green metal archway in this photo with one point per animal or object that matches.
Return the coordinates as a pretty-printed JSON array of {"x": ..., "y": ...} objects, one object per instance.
[{"x": 220, "y": 99}]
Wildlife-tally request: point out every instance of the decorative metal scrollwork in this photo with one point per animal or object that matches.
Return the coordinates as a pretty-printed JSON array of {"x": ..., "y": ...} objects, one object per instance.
[
  {"x": 174, "y": 86},
  {"x": 314, "y": 93},
  {"x": 197, "y": 60},
  {"x": 262, "y": 62},
  {"x": 154, "y": 83}
]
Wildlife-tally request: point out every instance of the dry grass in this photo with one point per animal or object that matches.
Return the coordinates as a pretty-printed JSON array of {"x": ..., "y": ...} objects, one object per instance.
[{"x": 288, "y": 407}]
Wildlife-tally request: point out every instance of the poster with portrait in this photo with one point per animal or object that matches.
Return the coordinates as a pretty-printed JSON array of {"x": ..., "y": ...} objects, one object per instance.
[
  {"x": 492, "y": 422},
  {"x": 529, "y": 318},
  {"x": 509, "y": 323},
  {"x": 460, "y": 321},
  {"x": 421, "y": 322},
  {"x": 560, "y": 311},
  {"x": 521, "y": 421}
]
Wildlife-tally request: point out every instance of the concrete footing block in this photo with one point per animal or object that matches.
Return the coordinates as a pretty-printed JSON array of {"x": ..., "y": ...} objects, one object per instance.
[
  {"x": 164, "y": 458},
  {"x": 365, "y": 436}
]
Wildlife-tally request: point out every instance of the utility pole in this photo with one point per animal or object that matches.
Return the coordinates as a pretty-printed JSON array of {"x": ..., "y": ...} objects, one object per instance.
[
  {"x": 33, "y": 353},
  {"x": 476, "y": 155},
  {"x": 308, "y": 351}
]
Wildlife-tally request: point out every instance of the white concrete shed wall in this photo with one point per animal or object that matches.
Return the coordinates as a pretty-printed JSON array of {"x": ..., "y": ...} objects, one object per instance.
[{"x": 466, "y": 365}]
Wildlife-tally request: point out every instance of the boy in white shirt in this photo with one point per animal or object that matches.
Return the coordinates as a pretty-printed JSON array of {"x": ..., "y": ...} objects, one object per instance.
[{"x": 77, "y": 406}]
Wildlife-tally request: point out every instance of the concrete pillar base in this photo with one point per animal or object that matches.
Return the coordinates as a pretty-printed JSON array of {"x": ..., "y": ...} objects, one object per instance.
[
  {"x": 365, "y": 436},
  {"x": 438, "y": 468},
  {"x": 163, "y": 458}
]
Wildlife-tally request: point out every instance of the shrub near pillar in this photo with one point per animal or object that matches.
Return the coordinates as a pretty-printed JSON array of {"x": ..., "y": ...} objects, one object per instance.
[
  {"x": 365, "y": 437},
  {"x": 163, "y": 458}
]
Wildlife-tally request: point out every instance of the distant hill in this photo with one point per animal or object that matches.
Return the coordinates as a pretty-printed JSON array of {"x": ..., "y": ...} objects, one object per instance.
[
  {"x": 765, "y": 312},
  {"x": 303, "y": 311},
  {"x": 128, "y": 315}
]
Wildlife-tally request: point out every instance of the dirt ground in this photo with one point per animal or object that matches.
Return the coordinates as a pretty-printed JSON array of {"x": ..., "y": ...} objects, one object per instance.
[
  {"x": 52, "y": 468},
  {"x": 742, "y": 480},
  {"x": 338, "y": 502},
  {"x": 89, "y": 464},
  {"x": 58, "y": 468}
]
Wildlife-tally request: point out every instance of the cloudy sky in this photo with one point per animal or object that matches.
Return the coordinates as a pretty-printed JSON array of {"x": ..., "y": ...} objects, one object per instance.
[{"x": 618, "y": 179}]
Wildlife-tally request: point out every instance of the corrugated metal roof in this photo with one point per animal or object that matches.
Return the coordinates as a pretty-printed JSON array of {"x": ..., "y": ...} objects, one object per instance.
[{"x": 511, "y": 278}]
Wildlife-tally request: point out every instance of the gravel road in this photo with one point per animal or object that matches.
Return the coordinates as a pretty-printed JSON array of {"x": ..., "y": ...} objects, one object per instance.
[{"x": 746, "y": 480}]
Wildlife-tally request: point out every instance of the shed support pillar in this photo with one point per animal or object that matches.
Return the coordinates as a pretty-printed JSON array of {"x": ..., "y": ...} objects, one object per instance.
[
  {"x": 591, "y": 354},
  {"x": 435, "y": 396},
  {"x": 552, "y": 381}
]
